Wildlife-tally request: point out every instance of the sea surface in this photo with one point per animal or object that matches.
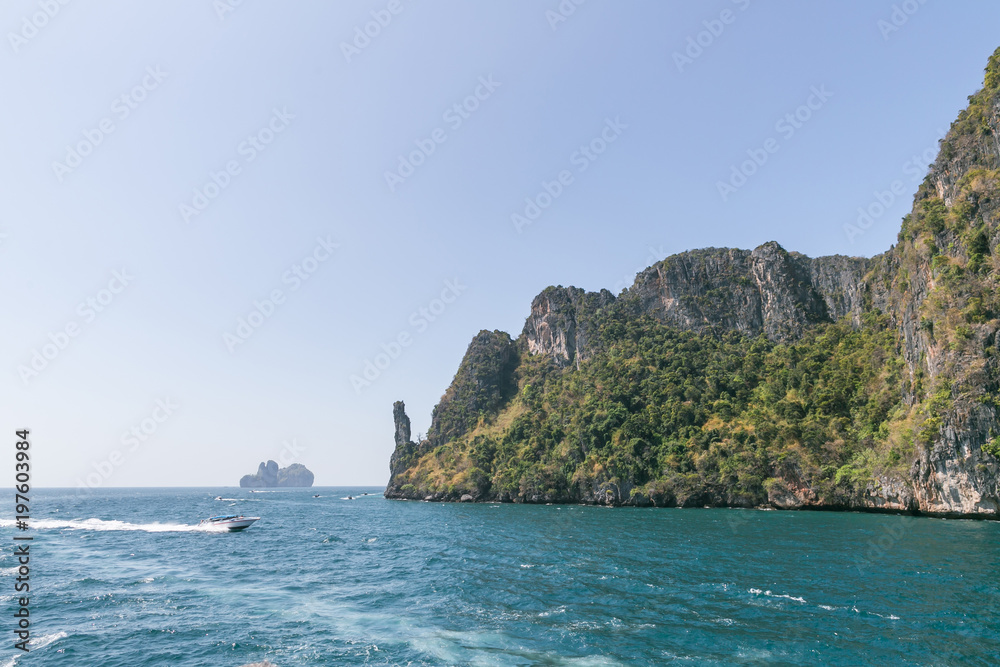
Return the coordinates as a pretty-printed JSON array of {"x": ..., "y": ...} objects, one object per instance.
[{"x": 124, "y": 577}]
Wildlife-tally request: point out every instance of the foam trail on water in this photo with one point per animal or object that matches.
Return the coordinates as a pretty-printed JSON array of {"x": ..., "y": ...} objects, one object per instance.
[
  {"x": 102, "y": 525},
  {"x": 45, "y": 640},
  {"x": 35, "y": 644}
]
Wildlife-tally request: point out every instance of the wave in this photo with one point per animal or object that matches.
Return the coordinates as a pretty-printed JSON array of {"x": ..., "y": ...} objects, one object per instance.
[
  {"x": 34, "y": 645},
  {"x": 757, "y": 591},
  {"x": 112, "y": 525},
  {"x": 45, "y": 640},
  {"x": 854, "y": 608},
  {"x": 891, "y": 617}
]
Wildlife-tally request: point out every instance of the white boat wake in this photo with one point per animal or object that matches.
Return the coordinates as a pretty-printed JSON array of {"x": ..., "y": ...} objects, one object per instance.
[
  {"x": 35, "y": 644},
  {"x": 102, "y": 525}
]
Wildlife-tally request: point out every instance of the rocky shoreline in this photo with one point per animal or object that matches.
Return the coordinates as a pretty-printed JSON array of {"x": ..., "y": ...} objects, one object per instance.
[{"x": 646, "y": 504}]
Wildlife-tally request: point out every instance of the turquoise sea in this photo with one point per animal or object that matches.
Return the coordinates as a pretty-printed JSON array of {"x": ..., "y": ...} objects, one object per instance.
[{"x": 125, "y": 578}]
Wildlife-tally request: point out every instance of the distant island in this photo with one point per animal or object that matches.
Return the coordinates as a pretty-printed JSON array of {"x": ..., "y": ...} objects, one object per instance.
[{"x": 270, "y": 475}]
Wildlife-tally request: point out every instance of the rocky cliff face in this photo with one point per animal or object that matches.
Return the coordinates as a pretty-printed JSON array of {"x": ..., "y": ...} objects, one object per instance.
[
  {"x": 483, "y": 383},
  {"x": 295, "y": 475},
  {"x": 940, "y": 286},
  {"x": 269, "y": 475},
  {"x": 562, "y": 324},
  {"x": 933, "y": 302},
  {"x": 404, "y": 455},
  {"x": 766, "y": 290}
]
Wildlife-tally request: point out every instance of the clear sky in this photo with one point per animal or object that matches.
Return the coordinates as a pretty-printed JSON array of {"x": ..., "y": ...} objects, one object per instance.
[{"x": 168, "y": 164}]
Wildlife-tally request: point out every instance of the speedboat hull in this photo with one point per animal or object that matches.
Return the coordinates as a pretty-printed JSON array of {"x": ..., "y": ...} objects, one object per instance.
[{"x": 230, "y": 523}]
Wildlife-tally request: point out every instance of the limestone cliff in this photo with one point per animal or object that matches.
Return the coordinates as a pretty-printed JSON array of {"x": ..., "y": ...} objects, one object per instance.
[
  {"x": 561, "y": 324},
  {"x": 753, "y": 377},
  {"x": 483, "y": 383}
]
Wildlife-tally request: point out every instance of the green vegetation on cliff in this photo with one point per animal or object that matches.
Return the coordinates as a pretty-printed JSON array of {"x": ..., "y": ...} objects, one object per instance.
[
  {"x": 669, "y": 416},
  {"x": 727, "y": 377}
]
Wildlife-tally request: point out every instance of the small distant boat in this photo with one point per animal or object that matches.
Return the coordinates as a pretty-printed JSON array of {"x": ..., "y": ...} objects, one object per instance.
[{"x": 233, "y": 522}]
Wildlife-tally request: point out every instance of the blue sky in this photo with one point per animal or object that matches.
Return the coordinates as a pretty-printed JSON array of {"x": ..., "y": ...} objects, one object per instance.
[{"x": 259, "y": 118}]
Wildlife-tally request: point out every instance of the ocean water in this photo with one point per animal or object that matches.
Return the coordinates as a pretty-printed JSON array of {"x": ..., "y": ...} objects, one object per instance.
[{"x": 125, "y": 578}]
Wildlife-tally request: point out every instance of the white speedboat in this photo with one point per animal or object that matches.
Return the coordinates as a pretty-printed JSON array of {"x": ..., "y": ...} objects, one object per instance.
[{"x": 232, "y": 522}]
